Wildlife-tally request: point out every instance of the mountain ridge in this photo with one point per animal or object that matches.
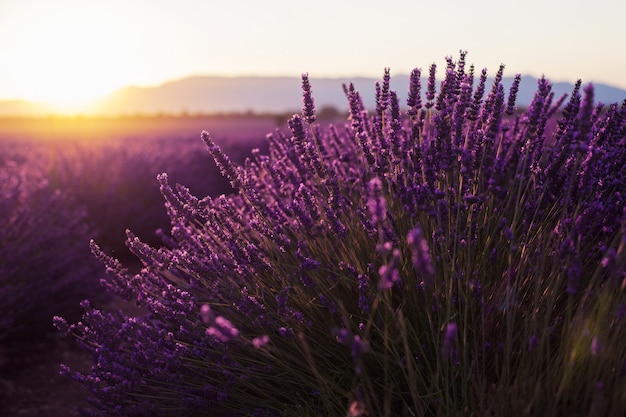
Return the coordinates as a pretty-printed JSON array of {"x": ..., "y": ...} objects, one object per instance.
[{"x": 264, "y": 94}]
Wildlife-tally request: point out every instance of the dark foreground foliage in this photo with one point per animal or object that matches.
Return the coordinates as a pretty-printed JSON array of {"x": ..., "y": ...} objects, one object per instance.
[{"x": 456, "y": 258}]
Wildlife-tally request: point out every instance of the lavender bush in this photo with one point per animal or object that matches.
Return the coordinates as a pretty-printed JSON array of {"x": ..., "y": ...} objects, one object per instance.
[
  {"x": 454, "y": 258},
  {"x": 44, "y": 265}
]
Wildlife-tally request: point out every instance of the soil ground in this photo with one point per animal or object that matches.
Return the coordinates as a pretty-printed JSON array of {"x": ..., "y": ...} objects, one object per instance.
[{"x": 39, "y": 389}]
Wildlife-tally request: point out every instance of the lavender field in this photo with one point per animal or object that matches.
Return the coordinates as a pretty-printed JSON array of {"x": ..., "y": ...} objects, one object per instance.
[
  {"x": 442, "y": 254},
  {"x": 77, "y": 180}
]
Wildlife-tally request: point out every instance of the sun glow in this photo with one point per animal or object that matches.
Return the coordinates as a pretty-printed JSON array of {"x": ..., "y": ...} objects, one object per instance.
[
  {"x": 69, "y": 56},
  {"x": 68, "y": 52}
]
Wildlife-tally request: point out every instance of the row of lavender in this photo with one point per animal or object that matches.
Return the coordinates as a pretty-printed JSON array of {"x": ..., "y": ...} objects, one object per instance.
[
  {"x": 56, "y": 196},
  {"x": 42, "y": 258},
  {"x": 459, "y": 258}
]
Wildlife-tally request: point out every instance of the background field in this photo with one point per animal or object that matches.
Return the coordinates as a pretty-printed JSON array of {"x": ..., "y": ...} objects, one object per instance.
[{"x": 105, "y": 168}]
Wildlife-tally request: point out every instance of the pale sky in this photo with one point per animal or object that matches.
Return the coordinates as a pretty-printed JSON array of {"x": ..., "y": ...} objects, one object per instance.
[{"x": 66, "y": 51}]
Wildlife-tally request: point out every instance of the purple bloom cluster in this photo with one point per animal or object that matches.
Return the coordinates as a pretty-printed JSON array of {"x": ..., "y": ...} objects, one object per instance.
[{"x": 463, "y": 219}]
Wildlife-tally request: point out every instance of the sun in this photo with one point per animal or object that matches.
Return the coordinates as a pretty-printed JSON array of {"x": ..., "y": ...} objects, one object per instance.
[{"x": 68, "y": 56}]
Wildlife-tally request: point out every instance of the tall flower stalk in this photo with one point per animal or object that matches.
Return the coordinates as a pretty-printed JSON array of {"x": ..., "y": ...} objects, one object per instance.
[{"x": 457, "y": 259}]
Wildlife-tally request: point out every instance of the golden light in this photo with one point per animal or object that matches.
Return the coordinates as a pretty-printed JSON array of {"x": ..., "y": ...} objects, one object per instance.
[{"x": 70, "y": 55}]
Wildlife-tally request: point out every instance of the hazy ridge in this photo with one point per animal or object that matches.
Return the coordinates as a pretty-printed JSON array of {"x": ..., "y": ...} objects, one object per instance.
[{"x": 213, "y": 94}]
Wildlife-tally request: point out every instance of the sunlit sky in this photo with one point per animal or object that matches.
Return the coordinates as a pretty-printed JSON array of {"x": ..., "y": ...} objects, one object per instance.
[{"x": 70, "y": 51}]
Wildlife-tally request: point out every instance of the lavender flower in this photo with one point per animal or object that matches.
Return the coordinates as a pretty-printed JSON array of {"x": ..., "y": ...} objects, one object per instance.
[
  {"x": 206, "y": 314},
  {"x": 449, "y": 339},
  {"x": 420, "y": 255},
  {"x": 432, "y": 88},
  {"x": 414, "y": 101},
  {"x": 383, "y": 94},
  {"x": 260, "y": 341},
  {"x": 376, "y": 204},
  {"x": 389, "y": 273},
  {"x": 357, "y": 346},
  {"x": 363, "y": 287},
  {"x": 308, "y": 108},
  {"x": 510, "y": 107},
  {"x": 223, "y": 330}
]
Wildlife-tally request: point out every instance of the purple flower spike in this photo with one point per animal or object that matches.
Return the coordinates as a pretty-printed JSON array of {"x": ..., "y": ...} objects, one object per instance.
[
  {"x": 432, "y": 86},
  {"x": 389, "y": 275},
  {"x": 223, "y": 330},
  {"x": 383, "y": 96},
  {"x": 223, "y": 162},
  {"x": 261, "y": 341},
  {"x": 477, "y": 99},
  {"x": 206, "y": 314},
  {"x": 60, "y": 323},
  {"x": 510, "y": 107},
  {"x": 343, "y": 336},
  {"x": 449, "y": 338},
  {"x": 363, "y": 286},
  {"x": 376, "y": 201},
  {"x": 308, "y": 108},
  {"x": 450, "y": 335},
  {"x": 358, "y": 347},
  {"x": 414, "y": 101},
  {"x": 420, "y": 253}
]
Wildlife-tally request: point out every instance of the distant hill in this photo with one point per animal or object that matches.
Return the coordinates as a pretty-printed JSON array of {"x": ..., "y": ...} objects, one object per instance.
[{"x": 211, "y": 94}]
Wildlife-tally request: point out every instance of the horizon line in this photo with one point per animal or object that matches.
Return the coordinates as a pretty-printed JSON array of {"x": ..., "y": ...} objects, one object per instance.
[{"x": 312, "y": 76}]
